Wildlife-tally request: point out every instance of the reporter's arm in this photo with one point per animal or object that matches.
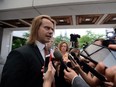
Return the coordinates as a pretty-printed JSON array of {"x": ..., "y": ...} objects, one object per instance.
[
  {"x": 78, "y": 82},
  {"x": 112, "y": 46},
  {"x": 72, "y": 76},
  {"x": 93, "y": 81},
  {"x": 89, "y": 78},
  {"x": 49, "y": 76}
]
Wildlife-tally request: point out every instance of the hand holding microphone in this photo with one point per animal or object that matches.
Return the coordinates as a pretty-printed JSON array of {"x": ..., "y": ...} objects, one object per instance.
[
  {"x": 92, "y": 70},
  {"x": 48, "y": 58}
]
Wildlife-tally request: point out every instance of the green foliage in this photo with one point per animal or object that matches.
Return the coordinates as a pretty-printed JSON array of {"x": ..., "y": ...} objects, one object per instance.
[
  {"x": 60, "y": 38},
  {"x": 26, "y": 35},
  {"x": 88, "y": 38},
  {"x": 18, "y": 42}
]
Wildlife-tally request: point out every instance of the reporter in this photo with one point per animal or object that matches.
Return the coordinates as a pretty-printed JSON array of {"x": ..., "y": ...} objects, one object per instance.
[
  {"x": 49, "y": 75},
  {"x": 60, "y": 81},
  {"x": 64, "y": 49}
]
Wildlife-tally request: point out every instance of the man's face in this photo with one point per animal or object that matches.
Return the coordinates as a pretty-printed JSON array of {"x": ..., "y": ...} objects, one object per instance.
[{"x": 45, "y": 32}]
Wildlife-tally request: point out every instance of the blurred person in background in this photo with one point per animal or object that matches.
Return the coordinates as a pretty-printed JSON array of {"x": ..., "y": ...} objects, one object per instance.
[{"x": 64, "y": 49}]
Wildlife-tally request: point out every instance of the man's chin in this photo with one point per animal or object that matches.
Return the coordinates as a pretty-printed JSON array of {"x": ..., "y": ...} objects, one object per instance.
[{"x": 47, "y": 41}]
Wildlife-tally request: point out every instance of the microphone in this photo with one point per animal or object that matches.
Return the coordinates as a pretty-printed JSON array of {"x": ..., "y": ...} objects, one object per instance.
[
  {"x": 95, "y": 62},
  {"x": 92, "y": 70},
  {"x": 58, "y": 55},
  {"x": 75, "y": 57},
  {"x": 47, "y": 58},
  {"x": 70, "y": 57}
]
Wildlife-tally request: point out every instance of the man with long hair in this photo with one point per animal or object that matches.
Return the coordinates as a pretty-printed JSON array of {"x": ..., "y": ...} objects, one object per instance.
[{"x": 23, "y": 65}]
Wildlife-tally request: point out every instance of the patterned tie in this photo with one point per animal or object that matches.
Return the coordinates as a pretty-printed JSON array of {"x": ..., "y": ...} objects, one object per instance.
[{"x": 46, "y": 50}]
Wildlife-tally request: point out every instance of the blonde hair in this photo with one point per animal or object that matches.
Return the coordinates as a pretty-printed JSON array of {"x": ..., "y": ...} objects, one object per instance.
[
  {"x": 36, "y": 23},
  {"x": 60, "y": 45}
]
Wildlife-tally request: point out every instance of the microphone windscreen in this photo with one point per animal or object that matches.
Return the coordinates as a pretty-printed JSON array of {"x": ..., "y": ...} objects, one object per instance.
[{"x": 58, "y": 55}]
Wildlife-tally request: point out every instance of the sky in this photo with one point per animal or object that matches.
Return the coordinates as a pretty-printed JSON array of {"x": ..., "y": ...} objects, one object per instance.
[{"x": 81, "y": 32}]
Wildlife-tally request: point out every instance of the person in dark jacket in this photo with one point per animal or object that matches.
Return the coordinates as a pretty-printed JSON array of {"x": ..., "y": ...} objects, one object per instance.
[{"x": 23, "y": 65}]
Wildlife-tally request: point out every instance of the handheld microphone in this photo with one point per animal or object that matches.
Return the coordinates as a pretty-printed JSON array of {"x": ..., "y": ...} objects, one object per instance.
[
  {"x": 70, "y": 57},
  {"x": 95, "y": 62},
  {"x": 58, "y": 55},
  {"x": 93, "y": 71},
  {"x": 75, "y": 57},
  {"x": 47, "y": 58}
]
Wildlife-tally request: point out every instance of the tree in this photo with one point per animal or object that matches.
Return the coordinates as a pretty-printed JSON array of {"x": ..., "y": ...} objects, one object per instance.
[
  {"x": 88, "y": 38},
  {"x": 26, "y": 35},
  {"x": 60, "y": 38},
  {"x": 18, "y": 42}
]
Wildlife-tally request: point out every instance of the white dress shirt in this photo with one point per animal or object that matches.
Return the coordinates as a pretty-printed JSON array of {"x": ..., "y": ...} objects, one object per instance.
[{"x": 41, "y": 48}]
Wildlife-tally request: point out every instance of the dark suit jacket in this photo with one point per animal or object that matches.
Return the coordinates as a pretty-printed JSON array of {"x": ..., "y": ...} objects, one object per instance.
[
  {"x": 60, "y": 80},
  {"x": 78, "y": 82},
  {"x": 23, "y": 68}
]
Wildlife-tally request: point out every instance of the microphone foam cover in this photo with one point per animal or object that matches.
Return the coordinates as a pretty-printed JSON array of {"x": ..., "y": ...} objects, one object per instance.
[{"x": 58, "y": 55}]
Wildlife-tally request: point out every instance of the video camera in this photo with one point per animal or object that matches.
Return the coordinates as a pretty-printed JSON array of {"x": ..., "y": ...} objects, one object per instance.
[
  {"x": 73, "y": 37},
  {"x": 74, "y": 40}
]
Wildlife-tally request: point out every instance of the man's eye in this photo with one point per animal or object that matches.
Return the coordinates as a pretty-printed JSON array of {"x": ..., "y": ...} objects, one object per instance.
[{"x": 47, "y": 27}]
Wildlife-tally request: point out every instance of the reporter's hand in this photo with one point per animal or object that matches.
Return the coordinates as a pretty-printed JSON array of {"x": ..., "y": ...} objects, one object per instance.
[
  {"x": 70, "y": 74},
  {"x": 49, "y": 75},
  {"x": 75, "y": 66}
]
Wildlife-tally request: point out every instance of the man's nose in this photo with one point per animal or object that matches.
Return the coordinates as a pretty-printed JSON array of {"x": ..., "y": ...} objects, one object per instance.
[{"x": 51, "y": 31}]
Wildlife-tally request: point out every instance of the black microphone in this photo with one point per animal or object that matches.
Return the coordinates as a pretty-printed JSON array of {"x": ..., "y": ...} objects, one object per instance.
[
  {"x": 58, "y": 55},
  {"x": 92, "y": 70},
  {"x": 70, "y": 57},
  {"x": 46, "y": 63},
  {"x": 95, "y": 62},
  {"x": 75, "y": 57}
]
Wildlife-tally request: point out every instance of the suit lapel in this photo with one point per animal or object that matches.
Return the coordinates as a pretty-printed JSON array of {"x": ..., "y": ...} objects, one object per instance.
[{"x": 37, "y": 51}]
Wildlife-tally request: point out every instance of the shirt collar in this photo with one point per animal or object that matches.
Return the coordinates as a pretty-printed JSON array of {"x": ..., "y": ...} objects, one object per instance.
[{"x": 40, "y": 45}]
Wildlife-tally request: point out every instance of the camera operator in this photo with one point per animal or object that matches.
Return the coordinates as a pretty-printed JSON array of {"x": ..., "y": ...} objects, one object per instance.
[
  {"x": 113, "y": 46},
  {"x": 110, "y": 43}
]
